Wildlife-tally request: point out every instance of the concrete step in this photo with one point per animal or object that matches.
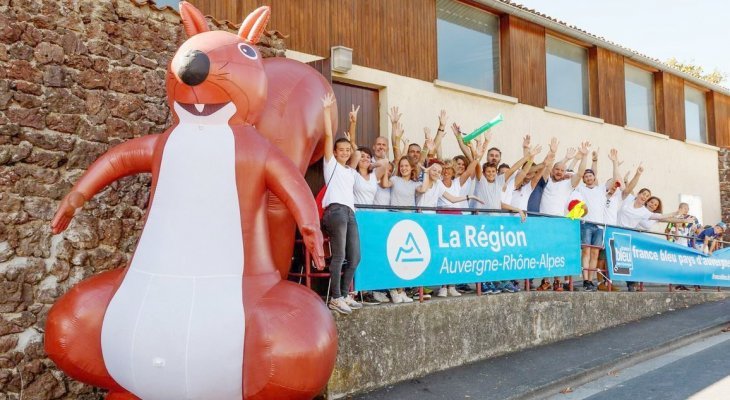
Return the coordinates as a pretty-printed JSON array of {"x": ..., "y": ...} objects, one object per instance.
[{"x": 542, "y": 371}]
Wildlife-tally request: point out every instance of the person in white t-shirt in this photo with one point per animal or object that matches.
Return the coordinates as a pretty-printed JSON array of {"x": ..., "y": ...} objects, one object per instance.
[
  {"x": 527, "y": 179},
  {"x": 368, "y": 176},
  {"x": 340, "y": 159},
  {"x": 457, "y": 183},
  {"x": 558, "y": 189},
  {"x": 633, "y": 212},
  {"x": 594, "y": 195}
]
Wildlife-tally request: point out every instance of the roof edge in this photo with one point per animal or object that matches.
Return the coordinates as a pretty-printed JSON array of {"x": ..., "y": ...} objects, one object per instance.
[{"x": 518, "y": 11}]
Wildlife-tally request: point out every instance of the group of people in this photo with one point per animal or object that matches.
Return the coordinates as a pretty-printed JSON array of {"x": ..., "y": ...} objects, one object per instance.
[{"x": 422, "y": 178}]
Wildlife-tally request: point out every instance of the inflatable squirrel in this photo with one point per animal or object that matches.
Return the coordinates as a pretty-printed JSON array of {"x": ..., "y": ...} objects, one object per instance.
[{"x": 201, "y": 311}]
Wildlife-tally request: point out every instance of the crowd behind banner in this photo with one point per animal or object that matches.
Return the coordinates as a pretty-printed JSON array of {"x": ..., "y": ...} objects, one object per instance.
[{"x": 420, "y": 178}]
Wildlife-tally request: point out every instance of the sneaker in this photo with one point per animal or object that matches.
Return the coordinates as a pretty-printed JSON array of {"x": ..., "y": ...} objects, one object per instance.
[
  {"x": 417, "y": 297},
  {"x": 340, "y": 306},
  {"x": 404, "y": 298},
  {"x": 427, "y": 291},
  {"x": 497, "y": 287},
  {"x": 443, "y": 292},
  {"x": 352, "y": 303},
  {"x": 557, "y": 286},
  {"x": 368, "y": 299},
  {"x": 698, "y": 289},
  {"x": 381, "y": 297},
  {"x": 545, "y": 285},
  {"x": 587, "y": 286},
  {"x": 631, "y": 288},
  {"x": 395, "y": 296},
  {"x": 566, "y": 286},
  {"x": 464, "y": 288},
  {"x": 452, "y": 292},
  {"x": 682, "y": 288},
  {"x": 508, "y": 288}
]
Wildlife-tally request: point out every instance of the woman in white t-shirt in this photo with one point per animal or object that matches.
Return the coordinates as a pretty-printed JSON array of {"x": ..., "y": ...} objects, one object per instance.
[
  {"x": 368, "y": 176},
  {"x": 432, "y": 190},
  {"x": 456, "y": 183},
  {"x": 339, "y": 210},
  {"x": 634, "y": 212}
]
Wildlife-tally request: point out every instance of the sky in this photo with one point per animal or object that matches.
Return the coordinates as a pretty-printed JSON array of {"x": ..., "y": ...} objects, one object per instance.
[{"x": 695, "y": 32}]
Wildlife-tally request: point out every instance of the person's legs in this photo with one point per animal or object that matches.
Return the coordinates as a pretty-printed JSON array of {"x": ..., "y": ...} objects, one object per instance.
[
  {"x": 334, "y": 222},
  {"x": 352, "y": 251}
]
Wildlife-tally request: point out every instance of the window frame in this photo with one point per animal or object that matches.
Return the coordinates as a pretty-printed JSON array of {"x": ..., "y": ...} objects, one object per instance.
[
  {"x": 498, "y": 16},
  {"x": 652, "y": 71},
  {"x": 703, "y": 91},
  {"x": 589, "y": 61}
]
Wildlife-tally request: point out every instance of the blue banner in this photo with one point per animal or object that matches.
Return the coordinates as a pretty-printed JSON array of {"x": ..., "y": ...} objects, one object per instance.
[
  {"x": 640, "y": 257},
  {"x": 410, "y": 250}
]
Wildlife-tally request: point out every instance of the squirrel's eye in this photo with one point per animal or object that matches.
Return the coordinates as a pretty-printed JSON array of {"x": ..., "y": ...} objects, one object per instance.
[{"x": 248, "y": 51}]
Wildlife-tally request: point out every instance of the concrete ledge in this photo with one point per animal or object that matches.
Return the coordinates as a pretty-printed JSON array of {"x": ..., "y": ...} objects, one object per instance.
[{"x": 383, "y": 345}]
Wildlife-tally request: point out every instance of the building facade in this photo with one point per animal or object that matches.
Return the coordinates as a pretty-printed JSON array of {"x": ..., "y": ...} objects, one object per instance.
[{"x": 478, "y": 58}]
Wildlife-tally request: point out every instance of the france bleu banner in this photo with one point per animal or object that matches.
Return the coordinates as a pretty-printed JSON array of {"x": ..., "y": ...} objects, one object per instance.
[
  {"x": 640, "y": 257},
  {"x": 410, "y": 250}
]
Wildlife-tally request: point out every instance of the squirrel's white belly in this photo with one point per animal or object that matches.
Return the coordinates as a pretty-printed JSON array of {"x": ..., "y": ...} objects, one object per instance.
[{"x": 175, "y": 327}]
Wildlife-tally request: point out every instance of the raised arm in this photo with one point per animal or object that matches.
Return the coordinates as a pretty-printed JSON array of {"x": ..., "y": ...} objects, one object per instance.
[
  {"x": 583, "y": 155},
  {"x": 426, "y": 184},
  {"x": 381, "y": 167},
  {"x": 460, "y": 141},
  {"x": 530, "y": 153},
  {"x": 287, "y": 183},
  {"x": 329, "y": 141},
  {"x": 526, "y": 145},
  {"x": 539, "y": 174},
  {"x": 396, "y": 131},
  {"x": 351, "y": 135},
  {"x": 385, "y": 181},
  {"x": 439, "y": 134},
  {"x": 550, "y": 161},
  {"x": 634, "y": 181},
  {"x": 594, "y": 162},
  {"x": 613, "y": 156},
  {"x": 131, "y": 157}
]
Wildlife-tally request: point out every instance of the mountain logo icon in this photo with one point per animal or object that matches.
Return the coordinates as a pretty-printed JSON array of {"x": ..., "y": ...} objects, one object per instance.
[{"x": 408, "y": 249}]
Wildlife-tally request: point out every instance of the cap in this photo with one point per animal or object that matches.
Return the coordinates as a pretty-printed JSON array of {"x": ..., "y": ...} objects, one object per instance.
[
  {"x": 589, "y": 170},
  {"x": 721, "y": 225}
]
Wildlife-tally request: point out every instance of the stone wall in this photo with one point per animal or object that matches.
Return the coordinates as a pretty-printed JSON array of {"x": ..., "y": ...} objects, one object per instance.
[
  {"x": 76, "y": 77},
  {"x": 723, "y": 156}
]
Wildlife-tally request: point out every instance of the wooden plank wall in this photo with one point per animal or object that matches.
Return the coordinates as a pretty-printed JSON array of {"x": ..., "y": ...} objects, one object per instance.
[
  {"x": 523, "y": 61},
  {"x": 669, "y": 92},
  {"x": 368, "y": 121},
  {"x": 607, "y": 86},
  {"x": 718, "y": 119},
  {"x": 394, "y": 36}
]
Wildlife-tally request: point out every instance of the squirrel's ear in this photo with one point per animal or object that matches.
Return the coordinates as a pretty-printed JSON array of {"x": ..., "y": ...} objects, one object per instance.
[
  {"x": 253, "y": 26},
  {"x": 193, "y": 20}
]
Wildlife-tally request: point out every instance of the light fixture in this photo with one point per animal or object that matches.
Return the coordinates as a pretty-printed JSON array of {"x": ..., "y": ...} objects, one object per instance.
[{"x": 341, "y": 59}]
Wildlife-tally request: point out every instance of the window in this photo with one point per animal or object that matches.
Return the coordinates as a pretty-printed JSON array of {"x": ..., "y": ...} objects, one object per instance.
[
  {"x": 639, "y": 98},
  {"x": 468, "y": 45},
  {"x": 695, "y": 115},
  {"x": 567, "y": 76}
]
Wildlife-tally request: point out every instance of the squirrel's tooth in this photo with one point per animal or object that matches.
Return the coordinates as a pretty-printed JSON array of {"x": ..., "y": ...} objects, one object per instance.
[{"x": 199, "y": 107}]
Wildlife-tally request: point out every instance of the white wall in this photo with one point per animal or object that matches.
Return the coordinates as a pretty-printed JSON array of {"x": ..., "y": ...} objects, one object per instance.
[{"x": 671, "y": 167}]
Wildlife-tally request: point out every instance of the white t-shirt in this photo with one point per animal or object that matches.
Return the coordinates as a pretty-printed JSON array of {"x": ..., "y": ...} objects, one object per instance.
[
  {"x": 508, "y": 189},
  {"x": 489, "y": 193},
  {"x": 340, "y": 181},
  {"x": 595, "y": 199},
  {"x": 521, "y": 196},
  {"x": 555, "y": 197},
  {"x": 431, "y": 197},
  {"x": 382, "y": 196},
  {"x": 454, "y": 190},
  {"x": 403, "y": 192},
  {"x": 613, "y": 206},
  {"x": 631, "y": 217},
  {"x": 365, "y": 189}
]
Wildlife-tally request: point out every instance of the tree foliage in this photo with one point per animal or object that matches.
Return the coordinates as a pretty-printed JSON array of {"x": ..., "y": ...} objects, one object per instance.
[{"x": 715, "y": 76}]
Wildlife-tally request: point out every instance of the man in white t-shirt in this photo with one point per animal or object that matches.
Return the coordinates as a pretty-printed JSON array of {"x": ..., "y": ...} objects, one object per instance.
[
  {"x": 591, "y": 228},
  {"x": 559, "y": 185},
  {"x": 558, "y": 189}
]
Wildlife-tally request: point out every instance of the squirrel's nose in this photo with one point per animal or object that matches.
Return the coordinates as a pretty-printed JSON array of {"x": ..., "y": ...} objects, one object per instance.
[{"x": 193, "y": 68}]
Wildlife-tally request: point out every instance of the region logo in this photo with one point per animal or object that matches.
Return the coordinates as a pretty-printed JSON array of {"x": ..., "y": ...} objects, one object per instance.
[
  {"x": 408, "y": 250},
  {"x": 623, "y": 260}
]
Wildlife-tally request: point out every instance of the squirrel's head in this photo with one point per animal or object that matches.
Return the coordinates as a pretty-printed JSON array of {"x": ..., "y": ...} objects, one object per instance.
[{"x": 215, "y": 70}]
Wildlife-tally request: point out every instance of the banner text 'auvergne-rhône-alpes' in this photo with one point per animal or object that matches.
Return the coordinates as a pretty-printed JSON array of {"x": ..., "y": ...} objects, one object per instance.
[{"x": 411, "y": 249}]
